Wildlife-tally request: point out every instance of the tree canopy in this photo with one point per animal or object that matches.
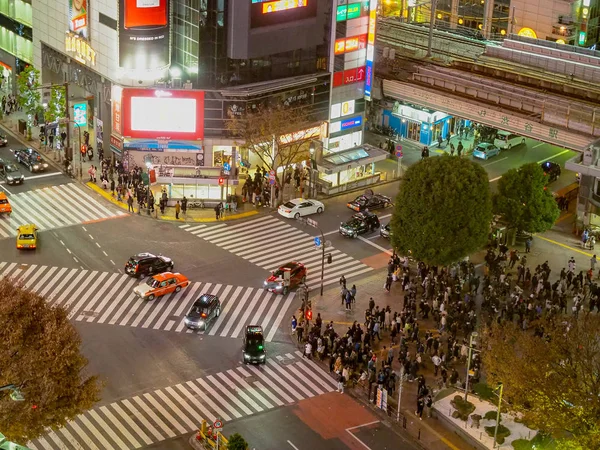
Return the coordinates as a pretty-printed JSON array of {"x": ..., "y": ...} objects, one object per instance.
[
  {"x": 236, "y": 442},
  {"x": 279, "y": 136},
  {"x": 523, "y": 200},
  {"x": 41, "y": 355},
  {"x": 554, "y": 379},
  {"x": 28, "y": 96},
  {"x": 443, "y": 210}
]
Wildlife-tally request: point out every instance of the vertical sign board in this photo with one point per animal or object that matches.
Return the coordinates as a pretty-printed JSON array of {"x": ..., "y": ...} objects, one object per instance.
[{"x": 370, "y": 49}]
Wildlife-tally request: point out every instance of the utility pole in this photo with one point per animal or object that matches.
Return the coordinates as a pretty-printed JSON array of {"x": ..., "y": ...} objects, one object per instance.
[
  {"x": 431, "y": 26},
  {"x": 474, "y": 335},
  {"x": 400, "y": 390},
  {"x": 68, "y": 117},
  {"x": 501, "y": 386}
]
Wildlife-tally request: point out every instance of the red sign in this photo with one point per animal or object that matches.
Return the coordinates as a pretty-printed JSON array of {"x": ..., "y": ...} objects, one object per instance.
[
  {"x": 163, "y": 114},
  {"x": 350, "y": 44},
  {"x": 117, "y": 124},
  {"x": 349, "y": 76},
  {"x": 116, "y": 142}
]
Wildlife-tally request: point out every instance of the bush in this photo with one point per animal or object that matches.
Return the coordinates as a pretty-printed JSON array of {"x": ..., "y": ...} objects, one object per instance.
[
  {"x": 491, "y": 415},
  {"x": 484, "y": 392},
  {"x": 236, "y": 442},
  {"x": 503, "y": 432},
  {"x": 463, "y": 409},
  {"x": 540, "y": 441}
]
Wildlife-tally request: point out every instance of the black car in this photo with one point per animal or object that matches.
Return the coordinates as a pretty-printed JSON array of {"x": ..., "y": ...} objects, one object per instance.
[
  {"x": 10, "y": 173},
  {"x": 30, "y": 159},
  {"x": 551, "y": 170},
  {"x": 148, "y": 264},
  {"x": 385, "y": 231},
  {"x": 360, "y": 223},
  {"x": 3, "y": 140},
  {"x": 374, "y": 201},
  {"x": 254, "y": 345},
  {"x": 204, "y": 310}
]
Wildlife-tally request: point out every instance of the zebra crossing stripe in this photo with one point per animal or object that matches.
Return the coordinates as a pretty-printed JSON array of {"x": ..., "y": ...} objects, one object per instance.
[{"x": 206, "y": 399}]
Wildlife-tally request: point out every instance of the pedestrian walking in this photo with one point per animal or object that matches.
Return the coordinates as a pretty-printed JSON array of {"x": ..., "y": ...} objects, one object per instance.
[
  {"x": 217, "y": 212},
  {"x": 184, "y": 202},
  {"x": 452, "y": 149},
  {"x": 177, "y": 209},
  {"x": 593, "y": 262},
  {"x": 388, "y": 282},
  {"x": 341, "y": 381},
  {"x": 420, "y": 407},
  {"x": 294, "y": 324},
  {"x": 459, "y": 149},
  {"x": 130, "y": 203},
  {"x": 528, "y": 245}
]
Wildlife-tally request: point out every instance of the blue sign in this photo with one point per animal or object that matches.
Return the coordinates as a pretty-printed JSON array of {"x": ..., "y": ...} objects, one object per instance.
[
  {"x": 351, "y": 123},
  {"x": 226, "y": 166},
  {"x": 368, "y": 79},
  {"x": 318, "y": 241}
]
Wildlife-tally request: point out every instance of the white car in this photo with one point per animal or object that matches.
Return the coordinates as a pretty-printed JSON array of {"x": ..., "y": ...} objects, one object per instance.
[{"x": 299, "y": 207}]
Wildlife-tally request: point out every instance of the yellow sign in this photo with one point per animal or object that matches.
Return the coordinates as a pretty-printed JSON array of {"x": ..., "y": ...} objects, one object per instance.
[
  {"x": 80, "y": 49},
  {"x": 527, "y": 32}
]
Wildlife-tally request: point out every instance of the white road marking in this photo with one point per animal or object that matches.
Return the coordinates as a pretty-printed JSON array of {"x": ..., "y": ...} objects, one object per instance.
[
  {"x": 293, "y": 446},
  {"x": 44, "y": 175},
  {"x": 554, "y": 156},
  {"x": 373, "y": 244},
  {"x": 494, "y": 162},
  {"x": 539, "y": 145}
]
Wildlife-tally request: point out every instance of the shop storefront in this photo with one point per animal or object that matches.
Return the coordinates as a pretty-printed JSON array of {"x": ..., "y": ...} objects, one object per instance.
[
  {"x": 349, "y": 169},
  {"x": 419, "y": 124}
]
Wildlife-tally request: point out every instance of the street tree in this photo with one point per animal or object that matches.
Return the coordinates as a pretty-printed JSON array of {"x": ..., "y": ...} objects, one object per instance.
[
  {"x": 28, "y": 94},
  {"x": 236, "y": 442},
  {"x": 443, "y": 210},
  {"x": 41, "y": 355},
  {"x": 551, "y": 377},
  {"x": 271, "y": 133},
  {"x": 56, "y": 105},
  {"x": 524, "y": 201}
]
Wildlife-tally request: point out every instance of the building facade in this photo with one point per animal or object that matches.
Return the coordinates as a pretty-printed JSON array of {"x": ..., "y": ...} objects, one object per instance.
[{"x": 16, "y": 40}]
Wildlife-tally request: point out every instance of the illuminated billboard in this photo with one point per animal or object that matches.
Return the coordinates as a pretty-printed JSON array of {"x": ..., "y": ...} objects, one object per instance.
[
  {"x": 80, "y": 114},
  {"x": 352, "y": 11},
  {"x": 144, "y": 34},
  {"x": 350, "y": 44},
  {"x": 274, "y": 12},
  {"x": 79, "y": 18},
  {"x": 162, "y": 114},
  {"x": 370, "y": 49}
]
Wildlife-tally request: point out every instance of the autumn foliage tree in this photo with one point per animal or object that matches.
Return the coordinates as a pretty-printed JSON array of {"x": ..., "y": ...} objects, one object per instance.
[
  {"x": 41, "y": 355},
  {"x": 278, "y": 136},
  {"x": 554, "y": 380}
]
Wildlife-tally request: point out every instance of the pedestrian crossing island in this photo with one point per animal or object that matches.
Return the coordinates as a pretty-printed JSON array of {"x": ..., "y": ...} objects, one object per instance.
[
  {"x": 107, "y": 298},
  {"x": 54, "y": 207}
]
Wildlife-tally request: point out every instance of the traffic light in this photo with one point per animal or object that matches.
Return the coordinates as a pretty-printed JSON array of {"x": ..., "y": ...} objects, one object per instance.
[
  {"x": 221, "y": 181},
  {"x": 308, "y": 314}
]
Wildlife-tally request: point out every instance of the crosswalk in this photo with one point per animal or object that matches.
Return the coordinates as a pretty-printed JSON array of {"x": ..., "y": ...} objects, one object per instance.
[
  {"x": 165, "y": 413},
  {"x": 270, "y": 242},
  {"x": 107, "y": 297},
  {"x": 54, "y": 207}
]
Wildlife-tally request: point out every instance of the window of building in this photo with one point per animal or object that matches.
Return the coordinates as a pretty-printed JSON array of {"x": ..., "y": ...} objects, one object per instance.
[
  {"x": 16, "y": 45},
  {"x": 17, "y": 9}
]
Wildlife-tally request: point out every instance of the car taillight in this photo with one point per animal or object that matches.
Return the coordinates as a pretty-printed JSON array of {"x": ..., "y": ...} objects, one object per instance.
[
  {"x": 288, "y": 210},
  {"x": 19, "y": 246},
  {"x": 203, "y": 315}
]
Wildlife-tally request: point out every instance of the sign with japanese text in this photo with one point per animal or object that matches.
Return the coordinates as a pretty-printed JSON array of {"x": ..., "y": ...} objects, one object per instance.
[{"x": 370, "y": 48}]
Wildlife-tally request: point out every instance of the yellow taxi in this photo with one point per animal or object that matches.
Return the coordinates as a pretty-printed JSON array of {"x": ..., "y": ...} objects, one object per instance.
[
  {"x": 4, "y": 204},
  {"x": 161, "y": 284},
  {"x": 27, "y": 236}
]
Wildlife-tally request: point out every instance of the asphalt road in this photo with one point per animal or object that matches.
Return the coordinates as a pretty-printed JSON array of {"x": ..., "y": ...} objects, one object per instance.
[{"x": 160, "y": 379}]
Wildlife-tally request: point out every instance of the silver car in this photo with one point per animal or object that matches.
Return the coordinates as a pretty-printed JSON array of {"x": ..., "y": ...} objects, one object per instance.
[{"x": 10, "y": 173}]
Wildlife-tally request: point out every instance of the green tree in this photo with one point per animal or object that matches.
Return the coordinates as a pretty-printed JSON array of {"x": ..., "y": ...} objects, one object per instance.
[
  {"x": 554, "y": 380},
  {"x": 28, "y": 97},
  {"x": 41, "y": 354},
  {"x": 57, "y": 104},
  {"x": 273, "y": 135},
  {"x": 236, "y": 442},
  {"x": 523, "y": 200},
  {"x": 443, "y": 210}
]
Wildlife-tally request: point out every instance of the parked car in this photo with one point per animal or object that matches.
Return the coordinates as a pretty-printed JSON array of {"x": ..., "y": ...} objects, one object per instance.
[
  {"x": 485, "y": 151},
  {"x": 369, "y": 202},
  {"x": 506, "y": 140},
  {"x": 276, "y": 282},
  {"x": 205, "y": 309},
  {"x": 30, "y": 159},
  {"x": 161, "y": 284},
  {"x": 148, "y": 264},
  {"x": 299, "y": 207},
  {"x": 10, "y": 173},
  {"x": 360, "y": 223},
  {"x": 551, "y": 170}
]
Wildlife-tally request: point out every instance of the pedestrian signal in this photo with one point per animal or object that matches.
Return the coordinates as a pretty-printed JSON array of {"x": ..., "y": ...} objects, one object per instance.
[
  {"x": 220, "y": 181},
  {"x": 308, "y": 314}
]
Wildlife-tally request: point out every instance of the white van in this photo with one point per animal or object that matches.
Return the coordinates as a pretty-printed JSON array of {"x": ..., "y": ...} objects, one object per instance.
[{"x": 506, "y": 140}]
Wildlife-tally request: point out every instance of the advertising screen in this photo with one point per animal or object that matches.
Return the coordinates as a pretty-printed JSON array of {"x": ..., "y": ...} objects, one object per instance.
[
  {"x": 78, "y": 18},
  {"x": 272, "y": 12},
  {"x": 144, "y": 34},
  {"x": 350, "y": 44},
  {"x": 80, "y": 114},
  {"x": 163, "y": 114},
  {"x": 370, "y": 49}
]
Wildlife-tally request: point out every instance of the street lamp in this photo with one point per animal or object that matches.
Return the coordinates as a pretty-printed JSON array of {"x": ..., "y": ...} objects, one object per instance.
[
  {"x": 501, "y": 387},
  {"x": 149, "y": 167},
  {"x": 15, "y": 393},
  {"x": 311, "y": 150}
]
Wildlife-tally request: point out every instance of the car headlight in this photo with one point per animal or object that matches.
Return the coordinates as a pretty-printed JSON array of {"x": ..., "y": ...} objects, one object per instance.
[
  {"x": 246, "y": 356},
  {"x": 9, "y": 178},
  {"x": 36, "y": 166},
  {"x": 279, "y": 287},
  {"x": 262, "y": 356},
  {"x": 45, "y": 165},
  {"x": 265, "y": 283}
]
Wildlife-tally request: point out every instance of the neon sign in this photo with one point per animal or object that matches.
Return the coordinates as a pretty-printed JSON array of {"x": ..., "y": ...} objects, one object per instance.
[
  {"x": 370, "y": 49},
  {"x": 282, "y": 5}
]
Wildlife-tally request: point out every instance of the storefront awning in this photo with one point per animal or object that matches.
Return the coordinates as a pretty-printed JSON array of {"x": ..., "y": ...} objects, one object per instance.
[{"x": 354, "y": 157}]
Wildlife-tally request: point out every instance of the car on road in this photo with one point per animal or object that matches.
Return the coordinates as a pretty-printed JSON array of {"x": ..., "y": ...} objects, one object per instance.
[
  {"x": 506, "y": 140},
  {"x": 551, "y": 171},
  {"x": 205, "y": 309},
  {"x": 30, "y": 159},
  {"x": 5, "y": 207},
  {"x": 287, "y": 277},
  {"x": 299, "y": 207},
  {"x": 360, "y": 223},
  {"x": 485, "y": 150},
  {"x": 369, "y": 202},
  {"x": 148, "y": 264},
  {"x": 10, "y": 173},
  {"x": 385, "y": 231},
  {"x": 3, "y": 140},
  {"x": 27, "y": 236},
  {"x": 161, "y": 284},
  {"x": 254, "y": 345}
]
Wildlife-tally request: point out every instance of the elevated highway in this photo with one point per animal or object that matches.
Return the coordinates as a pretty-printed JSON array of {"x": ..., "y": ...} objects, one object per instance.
[{"x": 533, "y": 88}]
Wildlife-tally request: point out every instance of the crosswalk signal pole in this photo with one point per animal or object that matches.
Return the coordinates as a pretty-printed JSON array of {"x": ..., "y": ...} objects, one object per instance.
[{"x": 322, "y": 260}]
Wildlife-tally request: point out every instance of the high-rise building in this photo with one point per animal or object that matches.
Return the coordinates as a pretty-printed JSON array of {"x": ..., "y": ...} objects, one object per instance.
[{"x": 16, "y": 40}]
